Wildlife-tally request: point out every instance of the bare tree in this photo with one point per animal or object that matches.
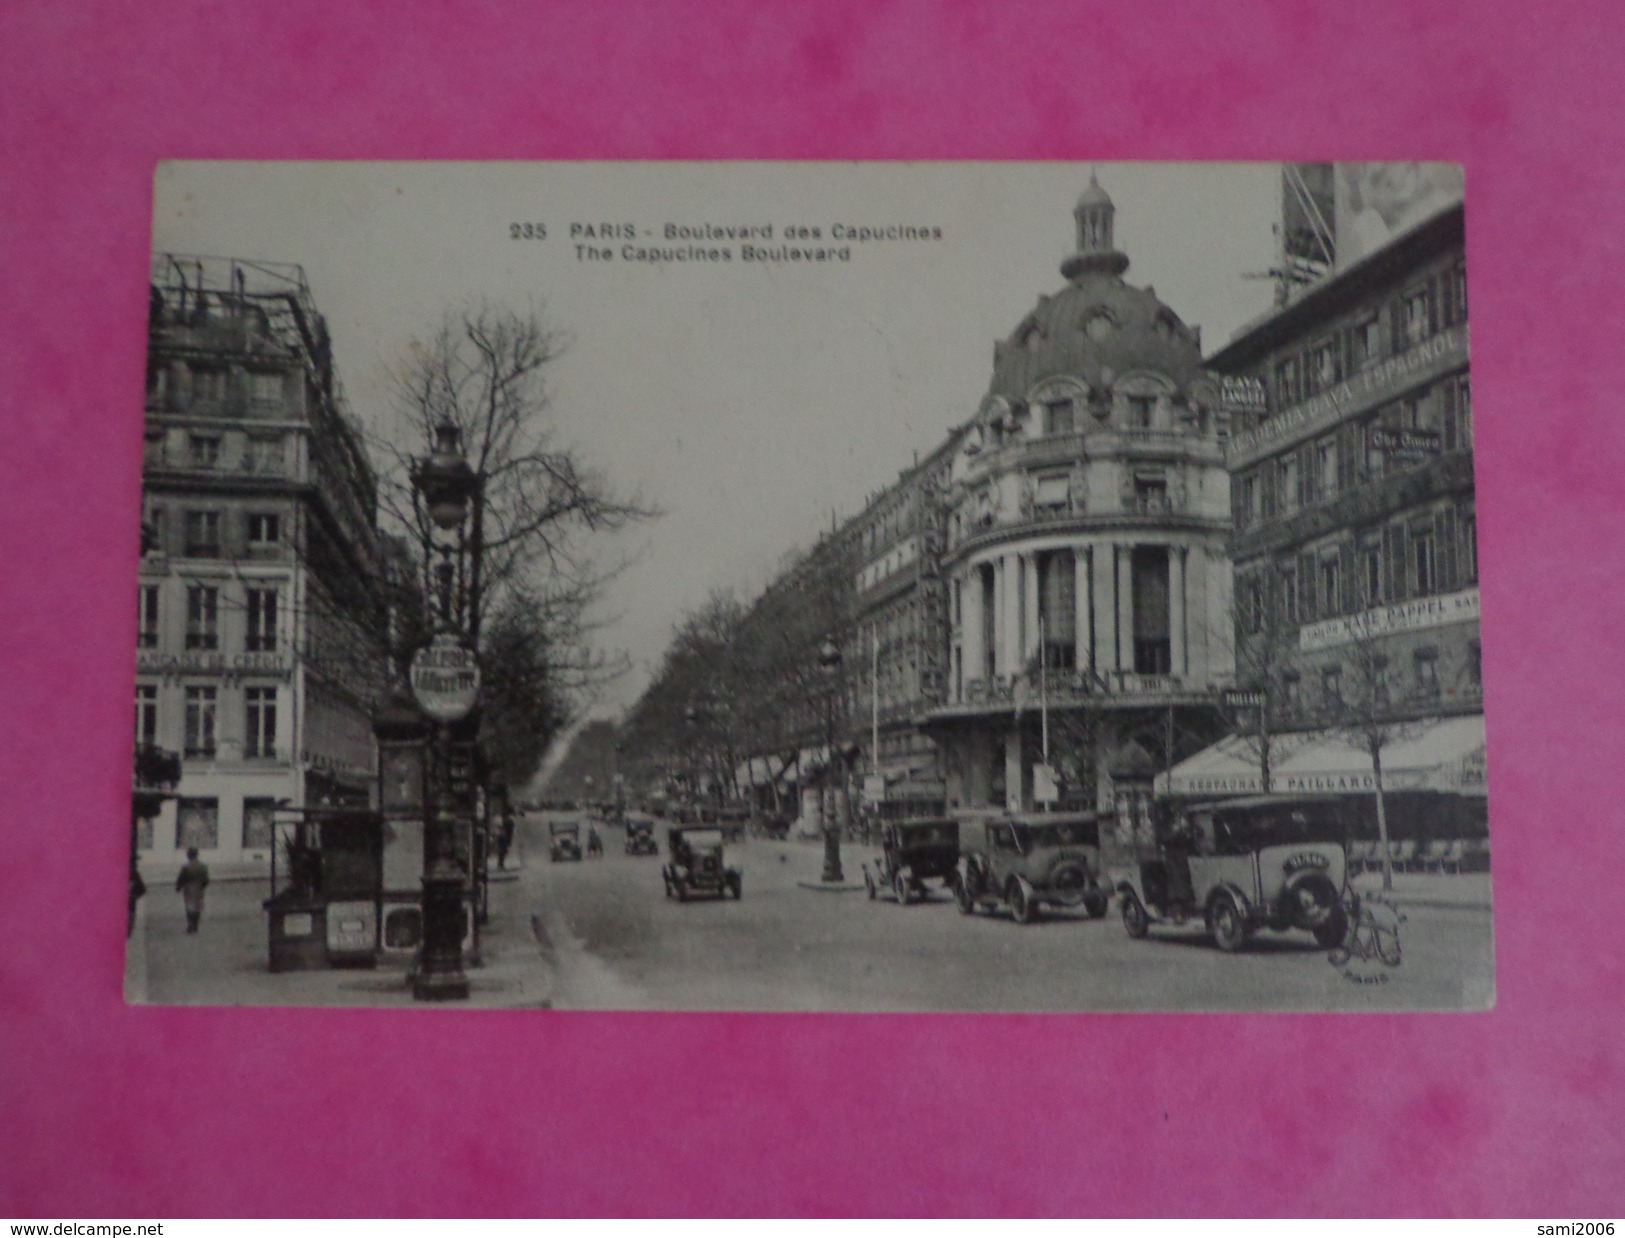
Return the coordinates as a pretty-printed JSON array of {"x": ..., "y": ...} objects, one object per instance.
[
  {"x": 1361, "y": 709},
  {"x": 485, "y": 370}
]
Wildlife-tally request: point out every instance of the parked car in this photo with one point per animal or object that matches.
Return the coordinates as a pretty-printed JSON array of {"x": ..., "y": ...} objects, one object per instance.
[
  {"x": 640, "y": 837},
  {"x": 912, "y": 853},
  {"x": 564, "y": 841},
  {"x": 1267, "y": 861},
  {"x": 695, "y": 864},
  {"x": 1034, "y": 859}
]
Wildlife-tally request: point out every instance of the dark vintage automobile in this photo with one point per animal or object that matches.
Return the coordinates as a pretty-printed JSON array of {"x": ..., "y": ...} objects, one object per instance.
[
  {"x": 1266, "y": 861},
  {"x": 563, "y": 841},
  {"x": 640, "y": 837},
  {"x": 1034, "y": 859},
  {"x": 911, "y": 853},
  {"x": 695, "y": 864}
]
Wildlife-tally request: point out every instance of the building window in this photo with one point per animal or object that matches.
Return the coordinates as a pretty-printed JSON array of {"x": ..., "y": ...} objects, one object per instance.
[
  {"x": 261, "y": 729},
  {"x": 205, "y": 451},
  {"x": 1475, "y": 664},
  {"x": 1057, "y": 608},
  {"x": 203, "y": 535},
  {"x": 1326, "y": 467},
  {"x": 146, "y": 632},
  {"x": 1052, "y": 494},
  {"x": 1253, "y": 605},
  {"x": 262, "y": 455},
  {"x": 1417, "y": 317},
  {"x": 1150, "y": 493},
  {"x": 1469, "y": 546},
  {"x": 1424, "y": 566},
  {"x": 1426, "y": 662},
  {"x": 146, "y": 714},
  {"x": 1251, "y": 508},
  {"x": 208, "y": 384},
  {"x": 1458, "y": 415},
  {"x": 1058, "y": 417},
  {"x": 202, "y": 617},
  {"x": 1289, "y": 597},
  {"x": 155, "y": 449},
  {"x": 197, "y": 824},
  {"x": 1331, "y": 587},
  {"x": 154, "y": 545},
  {"x": 267, "y": 388},
  {"x": 259, "y": 824},
  {"x": 1140, "y": 411},
  {"x": 1322, "y": 369},
  {"x": 1365, "y": 342},
  {"x": 1291, "y": 697},
  {"x": 1455, "y": 295},
  {"x": 264, "y": 530},
  {"x": 1286, "y": 382},
  {"x": 1331, "y": 686},
  {"x": 261, "y": 621},
  {"x": 1290, "y": 491},
  {"x": 200, "y": 716},
  {"x": 1371, "y": 570}
]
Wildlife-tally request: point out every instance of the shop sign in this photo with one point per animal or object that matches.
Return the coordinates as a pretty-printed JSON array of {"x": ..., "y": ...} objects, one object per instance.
[
  {"x": 1046, "y": 788},
  {"x": 874, "y": 788},
  {"x": 1364, "y": 390},
  {"x": 1401, "y": 617},
  {"x": 210, "y": 662},
  {"x": 445, "y": 679},
  {"x": 1234, "y": 699},
  {"x": 1405, "y": 444}
]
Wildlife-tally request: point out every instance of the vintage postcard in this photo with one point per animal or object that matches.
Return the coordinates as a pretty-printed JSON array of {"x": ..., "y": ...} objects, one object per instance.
[{"x": 809, "y": 587}]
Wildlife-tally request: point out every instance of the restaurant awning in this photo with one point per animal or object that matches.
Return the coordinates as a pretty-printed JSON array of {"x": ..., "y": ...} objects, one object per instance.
[{"x": 1439, "y": 754}]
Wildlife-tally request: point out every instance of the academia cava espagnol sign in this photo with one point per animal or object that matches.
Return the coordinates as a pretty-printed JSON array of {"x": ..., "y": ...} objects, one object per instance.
[{"x": 445, "y": 679}]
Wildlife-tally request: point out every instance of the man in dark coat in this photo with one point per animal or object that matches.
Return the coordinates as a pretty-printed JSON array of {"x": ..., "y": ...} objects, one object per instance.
[{"x": 192, "y": 881}]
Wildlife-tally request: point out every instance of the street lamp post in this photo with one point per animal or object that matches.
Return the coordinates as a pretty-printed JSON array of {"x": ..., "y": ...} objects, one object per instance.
[
  {"x": 829, "y": 658},
  {"x": 446, "y": 680}
]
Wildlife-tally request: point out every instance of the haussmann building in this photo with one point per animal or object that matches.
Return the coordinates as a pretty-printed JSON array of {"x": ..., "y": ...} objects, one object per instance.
[{"x": 1355, "y": 546}]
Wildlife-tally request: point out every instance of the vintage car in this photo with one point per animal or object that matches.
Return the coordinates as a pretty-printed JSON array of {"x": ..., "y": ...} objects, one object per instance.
[
  {"x": 1268, "y": 861},
  {"x": 912, "y": 853},
  {"x": 564, "y": 841},
  {"x": 640, "y": 837},
  {"x": 1034, "y": 859},
  {"x": 695, "y": 864}
]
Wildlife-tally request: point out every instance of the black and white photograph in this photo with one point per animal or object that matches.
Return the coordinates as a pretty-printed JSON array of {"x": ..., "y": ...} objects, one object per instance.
[{"x": 847, "y": 587}]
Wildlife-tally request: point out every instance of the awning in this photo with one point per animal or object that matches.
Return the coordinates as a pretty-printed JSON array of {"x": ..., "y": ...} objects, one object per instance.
[{"x": 1443, "y": 754}]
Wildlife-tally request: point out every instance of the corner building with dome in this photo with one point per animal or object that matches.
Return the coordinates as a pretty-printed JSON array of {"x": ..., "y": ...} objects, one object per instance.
[{"x": 1085, "y": 558}]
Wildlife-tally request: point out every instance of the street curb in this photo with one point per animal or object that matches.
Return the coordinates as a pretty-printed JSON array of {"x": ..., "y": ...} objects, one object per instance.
[{"x": 832, "y": 887}]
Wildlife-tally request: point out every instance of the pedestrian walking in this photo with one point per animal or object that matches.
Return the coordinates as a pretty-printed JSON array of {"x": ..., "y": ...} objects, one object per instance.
[
  {"x": 192, "y": 881},
  {"x": 505, "y": 838}
]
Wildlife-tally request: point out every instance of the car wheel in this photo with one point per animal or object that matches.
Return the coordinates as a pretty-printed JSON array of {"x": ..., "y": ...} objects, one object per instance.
[
  {"x": 904, "y": 894},
  {"x": 1227, "y": 924},
  {"x": 1097, "y": 905},
  {"x": 1022, "y": 904},
  {"x": 1069, "y": 885},
  {"x": 1336, "y": 927},
  {"x": 962, "y": 896},
  {"x": 869, "y": 884},
  {"x": 1135, "y": 922}
]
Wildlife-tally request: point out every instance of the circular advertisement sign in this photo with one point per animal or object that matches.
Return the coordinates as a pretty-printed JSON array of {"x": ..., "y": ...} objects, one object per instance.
[{"x": 445, "y": 679}]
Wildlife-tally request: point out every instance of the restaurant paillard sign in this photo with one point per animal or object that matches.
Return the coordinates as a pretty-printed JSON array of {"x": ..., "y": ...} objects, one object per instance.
[{"x": 445, "y": 679}]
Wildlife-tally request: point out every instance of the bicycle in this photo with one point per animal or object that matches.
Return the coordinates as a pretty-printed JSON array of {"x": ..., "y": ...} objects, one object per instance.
[{"x": 1373, "y": 933}]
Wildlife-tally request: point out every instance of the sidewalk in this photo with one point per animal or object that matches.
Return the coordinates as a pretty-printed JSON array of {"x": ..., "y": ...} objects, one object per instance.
[
  {"x": 226, "y": 962},
  {"x": 1465, "y": 891}
]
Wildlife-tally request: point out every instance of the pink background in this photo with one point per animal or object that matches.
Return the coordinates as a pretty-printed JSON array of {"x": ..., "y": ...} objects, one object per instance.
[{"x": 154, "y": 1112}]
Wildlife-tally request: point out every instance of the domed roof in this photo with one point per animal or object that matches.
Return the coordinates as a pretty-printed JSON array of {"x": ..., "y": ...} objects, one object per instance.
[
  {"x": 1093, "y": 195},
  {"x": 1097, "y": 329}
]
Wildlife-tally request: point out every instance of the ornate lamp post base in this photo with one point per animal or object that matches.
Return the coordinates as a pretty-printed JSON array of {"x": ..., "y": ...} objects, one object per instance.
[
  {"x": 832, "y": 856},
  {"x": 439, "y": 977}
]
